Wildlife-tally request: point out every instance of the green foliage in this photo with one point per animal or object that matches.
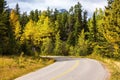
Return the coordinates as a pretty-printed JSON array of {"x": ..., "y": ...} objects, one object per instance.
[
  {"x": 82, "y": 46},
  {"x": 58, "y": 45},
  {"x": 17, "y": 9},
  {"x": 47, "y": 47},
  {"x": 111, "y": 27},
  {"x": 52, "y": 32},
  {"x": 72, "y": 51},
  {"x": 23, "y": 20},
  {"x": 15, "y": 31},
  {"x": 5, "y": 28},
  {"x": 36, "y": 34}
]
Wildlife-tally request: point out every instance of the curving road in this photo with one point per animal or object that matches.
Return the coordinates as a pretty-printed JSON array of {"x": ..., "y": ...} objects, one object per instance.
[{"x": 66, "y": 68}]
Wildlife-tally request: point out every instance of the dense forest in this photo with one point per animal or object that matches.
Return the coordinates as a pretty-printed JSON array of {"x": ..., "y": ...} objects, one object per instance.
[{"x": 60, "y": 32}]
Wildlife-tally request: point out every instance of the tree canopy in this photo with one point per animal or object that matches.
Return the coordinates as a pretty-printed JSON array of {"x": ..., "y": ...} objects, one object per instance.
[{"x": 55, "y": 32}]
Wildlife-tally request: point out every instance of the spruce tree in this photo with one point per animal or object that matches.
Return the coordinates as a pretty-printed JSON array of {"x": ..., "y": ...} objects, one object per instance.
[
  {"x": 85, "y": 25},
  {"x": 58, "y": 45},
  {"x": 23, "y": 20},
  {"x": 17, "y": 9},
  {"x": 94, "y": 27},
  {"x": 111, "y": 27},
  {"x": 5, "y": 29},
  {"x": 31, "y": 16},
  {"x": 36, "y": 15},
  {"x": 82, "y": 45}
]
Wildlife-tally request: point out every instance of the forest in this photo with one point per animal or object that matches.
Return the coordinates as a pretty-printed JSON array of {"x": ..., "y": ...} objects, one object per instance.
[{"x": 60, "y": 32}]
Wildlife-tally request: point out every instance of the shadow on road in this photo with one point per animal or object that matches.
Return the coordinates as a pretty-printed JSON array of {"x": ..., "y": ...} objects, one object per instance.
[{"x": 63, "y": 58}]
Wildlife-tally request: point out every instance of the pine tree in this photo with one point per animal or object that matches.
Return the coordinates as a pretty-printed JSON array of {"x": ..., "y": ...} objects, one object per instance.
[
  {"x": 78, "y": 22},
  {"x": 36, "y": 18},
  {"x": 82, "y": 45},
  {"x": 55, "y": 14},
  {"x": 111, "y": 26},
  {"x": 63, "y": 26},
  {"x": 85, "y": 26},
  {"x": 78, "y": 16},
  {"x": 58, "y": 45},
  {"x": 2, "y": 5},
  {"x": 6, "y": 34},
  {"x": 31, "y": 16},
  {"x": 70, "y": 30},
  {"x": 94, "y": 27},
  {"x": 58, "y": 23},
  {"x": 17, "y": 9},
  {"x": 23, "y": 20}
]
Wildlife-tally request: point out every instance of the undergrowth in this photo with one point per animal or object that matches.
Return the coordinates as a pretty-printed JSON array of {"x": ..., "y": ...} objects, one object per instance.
[{"x": 12, "y": 67}]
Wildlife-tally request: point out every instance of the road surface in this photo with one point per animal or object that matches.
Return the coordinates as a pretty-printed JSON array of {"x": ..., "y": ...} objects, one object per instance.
[{"x": 69, "y": 69}]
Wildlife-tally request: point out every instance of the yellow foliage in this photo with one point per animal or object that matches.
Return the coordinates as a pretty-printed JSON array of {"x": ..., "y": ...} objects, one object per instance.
[
  {"x": 13, "y": 17},
  {"x": 14, "y": 22},
  {"x": 37, "y": 32},
  {"x": 17, "y": 30},
  {"x": 28, "y": 31}
]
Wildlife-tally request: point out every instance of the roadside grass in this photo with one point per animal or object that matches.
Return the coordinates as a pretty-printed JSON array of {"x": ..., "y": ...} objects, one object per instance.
[
  {"x": 112, "y": 65},
  {"x": 12, "y": 67}
]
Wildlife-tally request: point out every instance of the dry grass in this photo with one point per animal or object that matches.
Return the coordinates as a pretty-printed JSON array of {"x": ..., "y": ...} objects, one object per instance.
[{"x": 14, "y": 66}]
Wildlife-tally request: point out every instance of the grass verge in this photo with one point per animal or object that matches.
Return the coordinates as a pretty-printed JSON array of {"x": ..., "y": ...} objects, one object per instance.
[
  {"x": 12, "y": 67},
  {"x": 112, "y": 65}
]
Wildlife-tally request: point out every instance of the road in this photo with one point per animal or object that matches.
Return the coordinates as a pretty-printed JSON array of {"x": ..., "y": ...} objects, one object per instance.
[{"x": 66, "y": 68}]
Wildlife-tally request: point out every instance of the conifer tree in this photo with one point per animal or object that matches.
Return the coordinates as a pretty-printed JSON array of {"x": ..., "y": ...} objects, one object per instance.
[
  {"x": 94, "y": 27},
  {"x": 36, "y": 18},
  {"x": 82, "y": 45},
  {"x": 58, "y": 45},
  {"x": 63, "y": 27},
  {"x": 85, "y": 26},
  {"x": 111, "y": 26},
  {"x": 5, "y": 29},
  {"x": 78, "y": 16},
  {"x": 31, "y": 16},
  {"x": 78, "y": 21},
  {"x": 23, "y": 20},
  {"x": 17, "y": 9}
]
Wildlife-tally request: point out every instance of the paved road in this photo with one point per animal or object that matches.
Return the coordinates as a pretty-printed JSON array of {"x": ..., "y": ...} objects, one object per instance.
[{"x": 69, "y": 69}]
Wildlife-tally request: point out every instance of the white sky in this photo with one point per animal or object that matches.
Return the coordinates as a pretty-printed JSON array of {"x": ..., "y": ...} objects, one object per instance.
[{"x": 28, "y": 5}]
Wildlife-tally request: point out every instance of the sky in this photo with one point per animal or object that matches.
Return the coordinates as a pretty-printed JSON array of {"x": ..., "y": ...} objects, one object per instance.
[{"x": 28, "y": 5}]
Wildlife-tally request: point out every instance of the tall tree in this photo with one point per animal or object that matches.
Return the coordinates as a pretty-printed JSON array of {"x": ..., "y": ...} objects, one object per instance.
[
  {"x": 14, "y": 20},
  {"x": 111, "y": 26},
  {"x": 17, "y": 9},
  {"x": 78, "y": 15},
  {"x": 55, "y": 14},
  {"x": 16, "y": 30},
  {"x": 36, "y": 15},
  {"x": 63, "y": 27},
  {"x": 70, "y": 30},
  {"x": 94, "y": 27},
  {"x": 23, "y": 20},
  {"x": 85, "y": 25},
  {"x": 58, "y": 45},
  {"x": 31, "y": 16},
  {"x": 78, "y": 21},
  {"x": 4, "y": 29},
  {"x": 82, "y": 45}
]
